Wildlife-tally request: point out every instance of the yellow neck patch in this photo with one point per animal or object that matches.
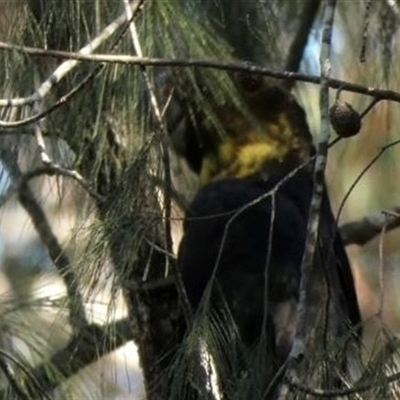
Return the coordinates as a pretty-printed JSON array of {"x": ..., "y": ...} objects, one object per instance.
[
  {"x": 238, "y": 161},
  {"x": 254, "y": 150}
]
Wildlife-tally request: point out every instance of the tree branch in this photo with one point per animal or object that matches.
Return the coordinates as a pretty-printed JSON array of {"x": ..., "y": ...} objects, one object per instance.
[
  {"x": 85, "y": 347},
  {"x": 362, "y": 231},
  {"x": 310, "y": 292},
  {"x": 55, "y": 250},
  {"x": 237, "y": 66},
  {"x": 51, "y": 170},
  {"x": 57, "y": 255}
]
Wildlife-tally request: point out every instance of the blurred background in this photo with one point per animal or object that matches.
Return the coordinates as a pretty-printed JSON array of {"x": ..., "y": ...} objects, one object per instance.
[{"x": 366, "y": 42}]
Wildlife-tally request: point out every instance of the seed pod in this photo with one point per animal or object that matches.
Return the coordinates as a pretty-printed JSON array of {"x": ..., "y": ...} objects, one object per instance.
[{"x": 345, "y": 120}]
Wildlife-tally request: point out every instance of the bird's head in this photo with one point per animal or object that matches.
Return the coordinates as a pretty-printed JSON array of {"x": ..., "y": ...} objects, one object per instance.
[{"x": 267, "y": 132}]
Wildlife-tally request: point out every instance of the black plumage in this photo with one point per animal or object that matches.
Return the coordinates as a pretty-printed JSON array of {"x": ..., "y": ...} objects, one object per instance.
[
  {"x": 228, "y": 229},
  {"x": 249, "y": 236}
]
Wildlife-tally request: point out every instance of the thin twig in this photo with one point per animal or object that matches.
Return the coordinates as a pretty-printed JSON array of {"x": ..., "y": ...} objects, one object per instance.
[
  {"x": 378, "y": 94},
  {"x": 382, "y": 150},
  {"x": 369, "y": 107},
  {"x": 50, "y": 170},
  {"x": 56, "y": 169},
  {"x": 237, "y": 66},
  {"x": 262, "y": 197}
]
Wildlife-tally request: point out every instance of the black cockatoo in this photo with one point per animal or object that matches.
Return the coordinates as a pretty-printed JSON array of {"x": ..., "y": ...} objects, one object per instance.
[{"x": 247, "y": 235}]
